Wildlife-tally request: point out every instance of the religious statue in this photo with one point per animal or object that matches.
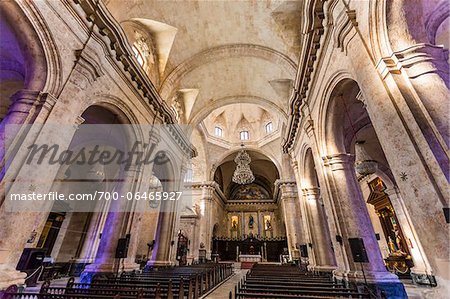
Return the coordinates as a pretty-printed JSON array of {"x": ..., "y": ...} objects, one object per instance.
[
  {"x": 234, "y": 224},
  {"x": 250, "y": 221},
  {"x": 268, "y": 224},
  {"x": 398, "y": 240},
  {"x": 391, "y": 245}
]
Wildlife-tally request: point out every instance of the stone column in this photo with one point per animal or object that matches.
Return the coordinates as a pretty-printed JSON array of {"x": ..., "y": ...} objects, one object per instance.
[
  {"x": 25, "y": 109},
  {"x": 321, "y": 241},
  {"x": 21, "y": 220},
  {"x": 288, "y": 198},
  {"x": 205, "y": 227},
  {"x": 90, "y": 246},
  {"x": 114, "y": 229},
  {"x": 354, "y": 222},
  {"x": 164, "y": 233}
]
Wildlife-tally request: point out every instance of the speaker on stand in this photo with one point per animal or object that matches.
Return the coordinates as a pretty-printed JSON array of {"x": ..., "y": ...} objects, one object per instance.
[{"x": 359, "y": 253}]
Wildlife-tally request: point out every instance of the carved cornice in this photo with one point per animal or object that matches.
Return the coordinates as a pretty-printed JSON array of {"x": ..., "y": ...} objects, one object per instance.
[
  {"x": 285, "y": 189},
  {"x": 210, "y": 186},
  {"x": 311, "y": 44},
  {"x": 415, "y": 61},
  {"x": 88, "y": 65},
  {"x": 343, "y": 29},
  {"x": 98, "y": 14}
]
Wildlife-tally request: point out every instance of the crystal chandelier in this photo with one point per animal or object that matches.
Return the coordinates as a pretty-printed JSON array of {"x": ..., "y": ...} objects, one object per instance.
[
  {"x": 243, "y": 174},
  {"x": 364, "y": 165}
]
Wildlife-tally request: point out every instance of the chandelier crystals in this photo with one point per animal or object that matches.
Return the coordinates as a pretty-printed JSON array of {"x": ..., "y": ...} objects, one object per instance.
[
  {"x": 364, "y": 165},
  {"x": 243, "y": 174}
]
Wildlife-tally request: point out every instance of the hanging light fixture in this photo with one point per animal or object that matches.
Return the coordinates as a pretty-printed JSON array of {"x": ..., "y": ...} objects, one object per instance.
[
  {"x": 363, "y": 164},
  {"x": 243, "y": 174}
]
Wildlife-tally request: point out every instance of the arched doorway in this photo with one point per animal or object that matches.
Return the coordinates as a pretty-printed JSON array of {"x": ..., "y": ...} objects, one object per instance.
[
  {"x": 322, "y": 249},
  {"x": 73, "y": 231}
]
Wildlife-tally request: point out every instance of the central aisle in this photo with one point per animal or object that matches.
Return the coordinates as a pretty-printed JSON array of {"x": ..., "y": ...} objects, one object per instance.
[{"x": 222, "y": 292}]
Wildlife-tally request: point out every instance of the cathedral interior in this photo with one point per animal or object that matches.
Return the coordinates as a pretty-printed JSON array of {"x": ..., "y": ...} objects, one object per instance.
[{"x": 224, "y": 149}]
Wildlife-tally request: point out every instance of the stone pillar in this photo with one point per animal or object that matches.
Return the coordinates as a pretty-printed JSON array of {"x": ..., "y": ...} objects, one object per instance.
[
  {"x": 20, "y": 221},
  {"x": 354, "y": 222},
  {"x": 305, "y": 237},
  {"x": 24, "y": 109},
  {"x": 90, "y": 246},
  {"x": 205, "y": 227},
  {"x": 114, "y": 229},
  {"x": 164, "y": 233},
  {"x": 321, "y": 241},
  {"x": 288, "y": 199}
]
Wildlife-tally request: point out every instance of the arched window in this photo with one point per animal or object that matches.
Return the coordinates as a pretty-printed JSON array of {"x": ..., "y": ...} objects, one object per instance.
[
  {"x": 269, "y": 127},
  {"x": 138, "y": 56},
  {"x": 244, "y": 135},
  {"x": 218, "y": 131}
]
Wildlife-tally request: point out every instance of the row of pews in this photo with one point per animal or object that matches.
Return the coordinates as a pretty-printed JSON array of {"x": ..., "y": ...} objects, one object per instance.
[
  {"x": 286, "y": 281},
  {"x": 188, "y": 282}
]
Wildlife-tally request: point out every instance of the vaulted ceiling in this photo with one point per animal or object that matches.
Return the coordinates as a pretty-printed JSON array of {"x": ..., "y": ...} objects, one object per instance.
[{"x": 215, "y": 53}]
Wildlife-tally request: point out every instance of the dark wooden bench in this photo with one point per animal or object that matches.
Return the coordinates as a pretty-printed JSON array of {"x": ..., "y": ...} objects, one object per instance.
[
  {"x": 270, "y": 281},
  {"x": 171, "y": 282}
]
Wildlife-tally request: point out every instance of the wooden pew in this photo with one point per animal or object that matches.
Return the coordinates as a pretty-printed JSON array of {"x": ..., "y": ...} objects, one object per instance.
[{"x": 274, "y": 281}]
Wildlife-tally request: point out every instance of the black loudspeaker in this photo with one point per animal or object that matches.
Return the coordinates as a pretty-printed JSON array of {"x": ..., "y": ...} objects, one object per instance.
[
  {"x": 339, "y": 239},
  {"x": 447, "y": 214},
  {"x": 304, "y": 250},
  {"x": 122, "y": 248},
  {"x": 377, "y": 236},
  {"x": 31, "y": 258},
  {"x": 358, "y": 250}
]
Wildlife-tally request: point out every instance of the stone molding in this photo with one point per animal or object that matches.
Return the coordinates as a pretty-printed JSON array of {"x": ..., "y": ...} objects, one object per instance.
[
  {"x": 88, "y": 65},
  {"x": 415, "y": 60},
  {"x": 311, "y": 44},
  {"x": 339, "y": 161},
  {"x": 311, "y": 192},
  {"x": 285, "y": 189},
  {"x": 343, "y": 29}
]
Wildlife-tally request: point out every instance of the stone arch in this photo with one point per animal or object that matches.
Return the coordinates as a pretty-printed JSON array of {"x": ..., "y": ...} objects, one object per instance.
[
  {"x": 310, "y": 179},
  {"x": 222, "y": 52},
  {"x": 440, "y": 13},
  {"x": 225, "y": 101},
  {"x": 36, "y": 44},
  {"x": 249, "y": 148},
  {"x": 331, "y": 136}
]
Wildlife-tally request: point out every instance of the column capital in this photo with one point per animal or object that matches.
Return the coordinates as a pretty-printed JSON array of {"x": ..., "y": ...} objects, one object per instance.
[
  {"x": 339, "y": 161},
  {"x": 22, "y": 100},
  {"x": 287, "y": 189},
  {"x": 311, "y": 192}
]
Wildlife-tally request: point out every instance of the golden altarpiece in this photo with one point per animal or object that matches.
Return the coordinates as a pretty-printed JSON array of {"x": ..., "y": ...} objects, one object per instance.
[{"x": 399, "y": 260}]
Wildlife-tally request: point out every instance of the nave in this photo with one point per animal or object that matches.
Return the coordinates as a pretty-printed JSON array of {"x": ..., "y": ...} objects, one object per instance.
[{"x": 199, "y": 281}]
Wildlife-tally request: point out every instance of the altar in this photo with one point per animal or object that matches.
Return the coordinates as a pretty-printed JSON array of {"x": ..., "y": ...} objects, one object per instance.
[{"x": 252, "y": 258}]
